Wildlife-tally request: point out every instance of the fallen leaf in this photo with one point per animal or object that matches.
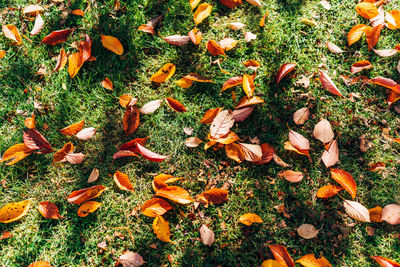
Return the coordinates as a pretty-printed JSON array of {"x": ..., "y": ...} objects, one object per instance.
[
  {"x": 367, "y": 10},
  {"x": 161, "y": 229},
  {"x": 356, "y": 210},
  {"x": 150, "y": 107},
  {"x": 113, "y": 44},
  {"x": 94, "y": 175},
  {"x": 193, "y": 142},
  {"x": 122, "y": 181},
  {"x": 210, "y": 115},
  {"x": 292, "y": 176},
  {"x": 328, "y": 191},
  {"x": 323, "y": 131},
  {"x": 360, "y": 66},
  {"x": 61, "y": 60},
  {"x": 75, "y": 158},
  {"x": 221, "y": 124},
  {"x": 356, "y": 33},
  {"x": 242, "y": 114},
  {"x": 195, "y": 36},
  {"x": 2, "y": 53},
  {"x": 249, "y": 36},
  {"x": 127, "y": 100},
  {"x": 197, "y": 78},
  {"x": 307, "y": 231},
  {"x": 328, "y": 84},
  {"x": 86, "y": 134},
  {"x": 40, "y": 264},
  {"x": 78, "y": 12},
  {"x": 155, "y": 207},
  {"x": 14, "y": 211},
  {"x": 16, "y": 153},
  {"x": 228, "y": 43},
  {"x": 194, "y": 3},
  {"x": 124, "y": 153},
  {"x": 231, "y": 82},
  {"x": 254, "y": 2},
  {"x": 106, "y": 83},
  {"x": 236, "y": 25},
  {"x": 214, "y": 48},
  {"x": 131, "y": 259},
  {"x": 36, "y": 141},
  {"x": 75, "y": 63},
  {"x": 150, "y": 155},
  {"x": 252, "y": 64},
  {"x": 202, "y": 12},
  {"x": 268, "y": 152},
  {"x": 309, "y": 260},
  {"x": 63, "y": 152},
  {"x": 272, "y": 263},
  {"x": 57, "y": 37},
  {"x": 384, "y": 262},
  {"x": 263, "y": 18},
  {"x": 88, "y": 207},
  {"x": 334, "y": 48},
  {"x": 288, "y": 146},
  {"x": 245, "y": 102},
  {"x": 147, "y": 28},
  {"x": 298, "y": 141},
  {"x": 177, "y": 39},
  {"x": 281, "y": 255},
  {"x": 32, "y": 10},
  {"x": 175, "y": 105},
  {"x": 131, "y": 119},
  {"x": 248, "y": 85},
  {"x": 162, "y": 180},
  {"x": 301, "y": 116},
  {"x": 345, "y": 180},
  {"x": 284, "y": 70},
  {"x": 11, "y": 32},
  {"x": 5, "y": 235},
  {"x": 49, "y": 210},
  {"x": 372, "y": 35},
  {"x": 393, "y": 19},
  {"x": 184, "y": 83},
  {"x": 331, "y": 155},
  {"x": 132, "y": 145},
  {"x": 83, "y": 195},
  {"x": 386, "y": 52},
  {"x": 391, "y": 214},
  {"x": 375, "y": 214},
  {"x": 251, "y": 152},
  {"x": 385, "y": 82},
  {"x": 38, "y": 26},
  {"x": 164, "y": 74},
  {"x": 250, "y": 218},
  {"x": 207, "y": 235},
  {"x": 234, "y": 151},
  {"x": 175, "y": 193},
  {"x": 73, "y": 128},
  {"x": 214, "y": 196}
]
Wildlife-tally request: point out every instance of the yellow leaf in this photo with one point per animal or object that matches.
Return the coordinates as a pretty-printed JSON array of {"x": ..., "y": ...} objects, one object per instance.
[
  {"x": 161, "y": 229},
  {"x": 75, "y": 62},
  {"x": 248, "y": 85},
  {"x": 16, "y": 153},
  {"x": 272, "y": 263},
  {"x": 184, "y": 83},
  {"x": 164, "y": 74},
  {"x": 14, "y": 211},
  {"x": 175, "y": 193},
  {"x": 112, "y": 44},
  {"x": 367, "y": 10},
  {"x": 88, "y": 207},
  {"x": 107, "y": 84},
  {"x": 202, "y": 12},
  {"x": 194, "y": 3},
  {"x": 250, "y": 218}
]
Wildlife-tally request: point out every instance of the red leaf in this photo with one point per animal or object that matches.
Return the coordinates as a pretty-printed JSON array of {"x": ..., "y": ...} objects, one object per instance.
[
  {"x": 328, "y": 84},
  {"x": 131, "y": 119},
  {"x": 373, "y": 36},
  {"x": 124, "y": 153},
  {"x": 385, "y": 262},
  {"x": 175, "y": 104},
  {"x": 147, "y": 28},
  {"x": 35, "y": 141},
  {"x": 150, "y": 155},
  {"x": 132, "y": 145},
  {"x": 267, "y": 154},
  {"x": 281, "y": 255},
  {"x": 57, "y": 37},
  {"x": 388, "y": 83},
  {"x": 284, "y": 70}
]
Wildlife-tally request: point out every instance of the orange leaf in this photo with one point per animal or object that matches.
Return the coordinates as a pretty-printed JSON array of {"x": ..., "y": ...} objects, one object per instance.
[
  {"x": 373, "y": 36},
  {"x": 384, "y": 262},
  {"x": 63, "y": 152},
  {"x": 231, "y": 82},
  {"x": 2, "y": 53},
  {"x": 147, "y": 28},
  {"x": 16, "y": 153},
  {"x": 150, "y": 155},
  {"x": 124, "y": 153},
  {"x": 328, "y": 191},
  {"x": 30, "y": 122},
  {"x": 107, "y": 84},
  {"x": 248, "y": 85},
  {"x": 393, "y": 19},
  {"x": 57, "y": 37},
  {"x": 131, "y": 119},
  {"x": 234, "y": 151},
  {"x": 385, "y": 82},
  {"x": 328, "y": 84},
  {"x": 175, "y": 104},
  {"x": 164, "y": 74},
  {"x": 11, "y": 32},
  {"x": 123, "y": 182},
  {"x": 375, "y": 214},
  {"x": 202, "y": 12},
  {"x": 231, "y": 3},
  {"x": 88, "y": 207},
  {"x": 228, "y": 43},
  {"x": 262, "y": 20},
  {"x": 281, "y": 255},
  {"x": 245, "y": 101},
  {"x": 252, "y": 64},
  {"x": 40, "y": 264},
  {"x": 288, "y": 146},
  {"x": 49, "y": 210},
  {"x": 61, "y": 60},
  {"x": 214, "y": 48},
  {"x": 127, "y": 100},
  {"x": 214, "y": 196},
  {"x": 210, "y": 115},
  {"x": 367, "y": 10},
  {"x": 73, "y": 128},
  {"x": 194, "y": 3},
  {"x": 250, "y": 218},
  {"x": 162, "y": 180},
  {"x": 195, "y": 36},
  {"x": 175, "y": 193},
  {"x": 75, "y": 62},
  {"x": 132, "y": 145},
  {"x": 361, "y": 65},
  {"x": 78, "y": 12},
  {"x": 292, "y": 176},
  {"x": 184, "y": 83},
  {"x": 74, "y": 158},
  {"x": 267, "y": 153},
  {"x": 161, "y": 229},
  {"x": 193, "y": 142},
  {"x": 83, "y": 195},
  {"x": 228, "y": 139},
  {"x": 113, "y": 44},
  {"x": 284, "y": 70},
  {"x": 356, "y": 33},
  {"x": 155, "y": 207},
  {"x": 309, "y": 260},
  {"x": 345, "y": 180},
  {"x": 14, "y": 211}
]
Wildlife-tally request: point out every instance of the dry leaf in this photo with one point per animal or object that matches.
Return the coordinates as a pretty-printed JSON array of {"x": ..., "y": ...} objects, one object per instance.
[
  {"x": 57, "y": 37},
  {"x": 231, "y": 82},
  {"x": 384, "y": 262},
  {"x": 122, "y": 181},
  {"x": 214, "y": 48},
  {"x": 77, "y": 12},
  {"x": 236, "y": 26},
  {"x": 393, "y": 19},
  {"x": 202, "y": 12},
  {"x": 195, "y": 36},
  {"x": 372, "y": 35},
  {"x": 268, "y": 152},
  {"x": 331, "y": 156},
  {"x": 254, "y": 2},
  {"x": 245, "y": 101},
  {"x": 228, "y": 43},
  {"x": 112, "y": 44},
  {"x": 88, "y": 207},
  {"x": 252, "y": 153},
  {"x": 248, "y": 85},
  {"x": 164, "y": 74},
  {"x": 63, "y": 152},
  {"x": 193, "y": 142},
  {"x": 11, "y": 32},
  {"x": 391, "y": 214},
  {"x": 83, "y": 195},
  {"x": 386, "y": 52},
  {"x": 194, "y": 3},
  {"x": 292, "y": 176},
  {"x": 334, "y": 48},
  {"x": 75, "y": 62},
  {"x": 360, "y": 66},
  {"x": 385, "y": 82},
  {"x": 49, "y": 210},
  {"x": 356, "y": 33},
  {"x": 231, "y": 3},
  {"x": 131, "y": 119},
  {"x": 177, "y": 39},
  {"x": 73, "y": 128},
  {"x": 213, "y": 196},
  {"x": 14, "y": 211},
  {"x": 175, "y": 105},
  {"x": 32, "y": 10},
  {"x": 281, "y": 255},
  {"x": 298, "y": 141},
  {"x": 249, "y": 36},
  {"x": 61, "y": 60},
  {"x": 301, "y": 116},
  {"x": 94, "y": 175},
  {"x": 356, "y": 210},
  {"x": 328, "y": 84},
  {"x": 307, "y": 231},
  {"x": 345, "y": 180},
  {"x": 210, "y": 115},
  {"x": 328, "y": 191},
  {"x": 284, "y": 70},
  {"x": 75, "y": 158},
  {"x": 35, "y": 141},
  {"x": 234, "y": 151},
  {"x": 161, "y": 229},
  {"x": 151, "y": 107},
  {"x": 106, "y": 83},
  {"x": 39, "y": 23},
  {"x": 250, "y": 218},
  {"x": 175, "y": 193},
  {"x": 40, "y": 264},
  {"x": 221, "y": 124},
  {"x": 86, "y": 134},
  {"x": 323, "y": 131},
  {"x": 131, "y": 259},
  {"x": 155, "y": 207},
  {"x": 375, "y": 214},
  {"x": 16, "y": 153},
  {"x": 207, "y": 235},
  {"x": 263, "y": 18},
  {"x": 150, "y": 155},
  {"x": 367, "y": 10},
  {"x": 242, "y": 114}
]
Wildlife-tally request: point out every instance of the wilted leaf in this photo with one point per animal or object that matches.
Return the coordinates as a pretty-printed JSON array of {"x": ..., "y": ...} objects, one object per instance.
[
  {"x": 155, "y": 207},
  {"x": 360, "y": 66},
  {"x": 391, "y": 214},
  {"x": 251, "y": 152},
  {"x": 356, "y": 210},
  {"x": 162, "y": 180},
  {"x": 83, "y": 195},
  {"x": 248, "y": 85},
  {"x": 112, "y": 44},
  {"x": 292, "y": 176},
  {"x": 127, "y": 100},
  {"x": 73, "y": 128},
  {"x": 214, "y": 196},
  {"x": 328, "y": 84},
  {"x": 242, "y": 114},
  {"x": 214, "y": 48},
  {"x": 30, "y": 122},
  {"x": 5, "y": 235},
  {"x": 288, "y": 146},
  {"x": 284, "y": 70},
  {"x": 197, "y": 78},
  {"x": 124, "y": 153},
  {"x": 122, "y": 181},
  {"x": 384, "y": 262},
  {"x": 250, "y": 218},
  {"x": 221, "y": 124},
  {"x": 2, "y": 53},
  {"x": 268, "y": 152},
  {"x": 88, "y": 207},
  {"x": 161, "y": 229},
  {"x": 195, "y": 36},
  {"x": 150, "y": 155},
  {"x": 328, "y": 191},
  {"x": 61, "y": 60},
  {"x": 175, "y": 104},
  {"x": 249, "y": 36},
  {"x": 49, "y": 210},
  {"x": 202, "y": 12},
  {"x": 298, "y": 141},
  {"x": 131, "y": 259},
  {"x": 11, "y": 32},
  {"x": 194, "y": 3},
  {"x": 375, "y": 214},
  {"x": 356, "y": 33},
  {"x": 210, "y": 115},
  {"x": 307, "y": 231},
  {"x": 279, "y": 161},
  {"x": 207, "y": 235},
  {"x": 57, "y": 37},
  {"x": 106, "y": 83},
  {"x": 333, "y": 48},
  {"x": 164, "y": 74},
  {"x": 252, "y": 64},
  {"x": 177, "y": 39},
  {"x": 86, "y": 134},
  {"x": 245, "y": 101},
  {"x": 75, "y": 158},
  {"x": 345, "y": 180},
  {"x": 231, "y": 82},
  {"x": 373, "y": 35},
  {"x": 38, "y": 26},
  {"x": 94, "y": 175},
  {"x": 63, "y": 152},
  {"x": 147, "y": 28},
  {"x": 14, "y": 211},
  {"x": 16, "y": 153},
  {"x": 367, "y": 10},
  {"x": 323, "y": 131},
  {"x": 131, "y": 119},
  {"x": 236, "y": 25},
  {"x": 132, "y": 145},
  {"x": 301, "y": 116},
  {"x": 35, "y": 141},
  {"x": 281, "y": 255},
  {"x": 175, "y": 193},
  {"x": 193, "y": 142}
]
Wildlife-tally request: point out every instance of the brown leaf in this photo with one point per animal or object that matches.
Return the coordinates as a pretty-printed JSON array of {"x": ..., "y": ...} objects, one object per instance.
[
  {"x": 35, "y": 141},
  {"x": 356, "y": 210},
  {"x": 175, "y": 193},
  {"x": 292, "y": 176},
  {"x": 250, "y": 218},
  {"x": 16, "y": 153},
  {"x": 195, "y": 36},
  {"x": 384, "y": 262},
  {"x": 393, "y": 19},
  {"x": 11, "y": 32},
  {"x": 73, "y": 128},
  {"x": 106, "y": 83},
  {"x": 124, "y": 153},
  {"x": 175, "y": 105},
  {"x": 279, "y": 161},
  {"x": 132, "y": 145},
  {"x": 94, "y": 175},
  {"x": 210, "y": 115},
  {"x": 331, "y": 156},
  {"x": 197, "y": 78},
  {"x": 328, "y": 84},
  {"x": 63, "y": 152},
  {"x": 127, "y": 100},
  {"x": 151, "y": 106},
  {"x": 242, "y": 114},
  {"x": 234, "y": 151},
  {"x": 131, "y": 119},
  {"x": 150, "y": 155},
  {"x": 122, "y": 181},
  {"x": 245, "y": 102},
  {"x": 214, "y": 48},
  {"x": 263, "y": 18},
  {"x": 30, "y": 122},
  {"x": 40, "y": 264},
  {"x": 231, "y": 82},
  {"x": 334, "y": 48},
  {"x": 177, "y": 39},
  {"x": 360, "y": 66},
  {"x": 193, "y": 142},
  {"x": 284, "y": 70},
  {"x": 14, "y": 211},
  {"x": 49, "y": 210},
  {"x": 307, "y": 231},
  {"x": 39, "y": 23},
  {"x": 375, "y": 214},
  {"x": 202, "y": 12},
  {"x": 345, "y": 180},
  {"x": 252, "y": 153},
  {"x": 61, "y": 60},
  {"x": 75, "y": 158},
  {"x": 385, "y": 82},
  {"x": 131, "y": 259},
  {"x": 254, "y": 2},
  {"x": 162, "y": 180},
  {"x": 164, "y": 74},
  {"x": 298, "y": 141},
  {"x": 268, "y": 152},
  {"x": 288, "y": 146},
  {"x": 155, "y": 207},
  {"x": 207, "y": 235},
  {"x": 328, "y": 191},
  {"x": 147, "y": 28},
  {"x": 221, "y": 124},
  {"x": 86, "y": 134},
  {"x": 5, "y": 235},
  {"x": 113, "y": 44},
  {"x": 83, "y": 195},
  {"x": 57, "y": 37},
  {"x": 391, "y": 214},
  {"x": 214, "y": 196},
  {"x": 281, "y": 255},
  {"x": 301, "y": 116}
]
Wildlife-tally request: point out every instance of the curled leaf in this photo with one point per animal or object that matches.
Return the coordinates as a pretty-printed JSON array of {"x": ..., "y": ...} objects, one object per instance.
[
  {"x": 214, "y": 48},
  {"x": 281, "y": 255},
  {"x": 356, "y": 33},
  {"x": 88, "y": 207},
  {"x": 16, "y": 153},
  {"x": 106, "y": 83},
  {"x": 36, "y": 141},
  {"x": 284, "y": 70},
  {"x": 83, "y": 195},
  {"x": 292, "y": 176},
  {"x": 150, "y": 155},
  {"x": 334, "y": 48},
  {"x": 331, "y": 156},
  {"x": 49, "y": 210},
  {"x": 245, "y": 101},
  {"x": 73, "y": 128},
  {"x": 38, "y": 26},
  {"x": 122, "y": 181},
  {"x": 360, "y": 66},
  {"x": 131, "y": 119},
  {"x": 175, "y": 193},
  {"x": 328, "y": 84},
  {"x": 328, "y": 191}
]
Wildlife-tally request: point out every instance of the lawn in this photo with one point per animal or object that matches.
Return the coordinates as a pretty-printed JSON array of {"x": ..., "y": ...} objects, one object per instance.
[{"x": 58, "y": 101}]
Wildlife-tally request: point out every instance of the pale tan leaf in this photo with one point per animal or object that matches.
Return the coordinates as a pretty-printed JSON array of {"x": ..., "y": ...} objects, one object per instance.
[
  {"x": 334, "y": 48},
  {"x": 207, "y": 235},
  {"x": 151, "y": 106},
  {"x": 177, "y": 39},
  {"x": 301, "y": 116},
  {"x": 356, "y": 211},
  {"x": 39, "y": 23},
  {"x": 221, "y": 124},
  {"x": 331, "y": 156},
  {"x": 236, "y": 26},
  {"x": 323, "y": 131},
  {"x": 94, "y": 175},
  {"x": 391, "y": 214},
  {"x": 193, "y": 142},
  {"x": 307, "y": 231},
  {"x": 252, "y": 153}
]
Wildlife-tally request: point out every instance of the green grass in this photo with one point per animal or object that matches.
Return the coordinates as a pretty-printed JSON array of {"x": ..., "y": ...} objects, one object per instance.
[{"x": 72, "y": 241}]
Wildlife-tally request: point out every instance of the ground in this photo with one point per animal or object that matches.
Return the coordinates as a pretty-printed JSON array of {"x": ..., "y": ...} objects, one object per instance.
[{"x": 72, "y": 241}]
